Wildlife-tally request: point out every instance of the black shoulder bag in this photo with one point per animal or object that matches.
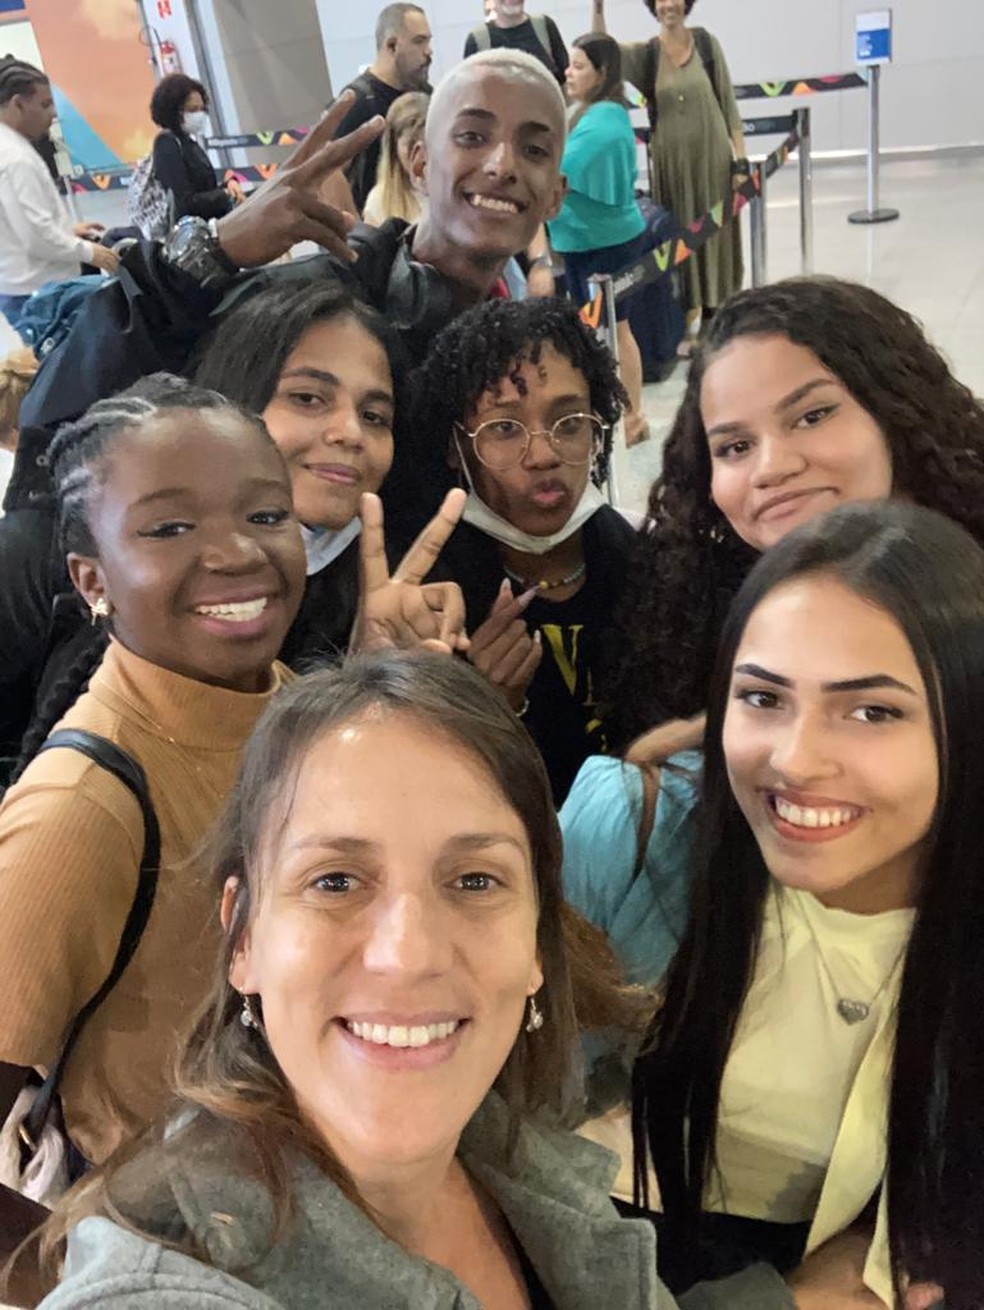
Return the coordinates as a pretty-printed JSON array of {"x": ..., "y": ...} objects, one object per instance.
[{"x": 129, "y": 772}]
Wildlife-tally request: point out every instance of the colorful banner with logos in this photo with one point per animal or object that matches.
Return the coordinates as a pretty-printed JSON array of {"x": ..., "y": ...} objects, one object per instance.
[
  {"x": 799, "y": 86},
  {"x": 280, "y": 136}
]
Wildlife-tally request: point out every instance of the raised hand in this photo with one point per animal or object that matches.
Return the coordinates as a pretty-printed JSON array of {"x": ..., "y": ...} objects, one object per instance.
[
  {"x": 287, "y": 208},
  {"x": 402, "y": 610},
  {"x": 502, "y": 648}
]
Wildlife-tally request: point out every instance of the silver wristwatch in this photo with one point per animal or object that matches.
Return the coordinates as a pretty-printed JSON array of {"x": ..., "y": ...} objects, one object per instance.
[{"x": 193, "y": 247}]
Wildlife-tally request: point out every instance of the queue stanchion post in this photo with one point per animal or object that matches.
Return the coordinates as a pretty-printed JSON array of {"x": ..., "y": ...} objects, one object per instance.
[
  {"x": 618, "y": 468},
  {"x": 802, "y": 117},
  {"x": 760, "y": 250},
  {"x": 874, "y": 212}
]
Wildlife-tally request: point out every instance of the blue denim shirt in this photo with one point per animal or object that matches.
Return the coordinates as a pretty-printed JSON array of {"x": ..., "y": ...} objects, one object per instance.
[{"x": 643, "y": 916}]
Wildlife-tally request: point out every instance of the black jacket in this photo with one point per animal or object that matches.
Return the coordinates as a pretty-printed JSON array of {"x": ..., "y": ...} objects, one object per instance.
[
  {"x": 183, "y": 168},
  {"x": 372, "y": 97},
  {"x": 152, "y": 317}
]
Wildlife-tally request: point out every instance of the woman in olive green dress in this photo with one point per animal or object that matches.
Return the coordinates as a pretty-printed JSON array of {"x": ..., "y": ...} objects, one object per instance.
[{"x": 698, "y": 149}]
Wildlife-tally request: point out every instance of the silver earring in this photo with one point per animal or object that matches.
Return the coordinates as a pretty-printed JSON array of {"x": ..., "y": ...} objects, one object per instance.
[
  {"x": 534, "y": 1021},
  {"x": 99, "y": 609},
  {"x": 247, "y": 1015}
]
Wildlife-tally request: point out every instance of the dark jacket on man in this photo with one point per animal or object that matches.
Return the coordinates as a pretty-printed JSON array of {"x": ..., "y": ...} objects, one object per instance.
[{"x": 152, "y": 317}]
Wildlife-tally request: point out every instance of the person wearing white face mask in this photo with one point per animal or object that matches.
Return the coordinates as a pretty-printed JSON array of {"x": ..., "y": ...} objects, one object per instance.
[
  {"x": 179, "y": 107},
  {"x": 516, "y": 400}
]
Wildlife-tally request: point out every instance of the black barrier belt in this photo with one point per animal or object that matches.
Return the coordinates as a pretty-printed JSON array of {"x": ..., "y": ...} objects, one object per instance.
[
  {"x": 658, "y": 263},
  {"x": 799, "y": 86},
  {"x": 279, "y": 136},
  {"x": 118, "y": 179},
  {"x": 769, "y": 126}
]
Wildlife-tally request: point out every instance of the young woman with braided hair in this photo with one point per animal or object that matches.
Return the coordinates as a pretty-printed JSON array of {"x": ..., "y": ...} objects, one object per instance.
[{"x": 175, "y": 514}]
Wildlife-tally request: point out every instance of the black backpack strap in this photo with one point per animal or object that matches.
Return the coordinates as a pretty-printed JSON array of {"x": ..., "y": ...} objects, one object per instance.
[
  {"x": 130, "y": 773},
  {"x": 705, "y": 49},
  {"x": 649, "y": 77}
]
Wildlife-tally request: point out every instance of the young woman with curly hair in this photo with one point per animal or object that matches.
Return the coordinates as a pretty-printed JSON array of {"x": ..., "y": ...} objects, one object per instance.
[
  {"x": 517, "y": 400},
  {"x": 807, "y": 394}
]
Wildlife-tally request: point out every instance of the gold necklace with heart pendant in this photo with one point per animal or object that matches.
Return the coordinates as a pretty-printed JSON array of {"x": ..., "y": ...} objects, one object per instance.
[{"x": 850, "y": 1010}]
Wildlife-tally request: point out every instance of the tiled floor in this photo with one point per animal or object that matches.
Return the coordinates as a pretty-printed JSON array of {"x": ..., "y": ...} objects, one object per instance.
[{"x": 931, "y": 261}]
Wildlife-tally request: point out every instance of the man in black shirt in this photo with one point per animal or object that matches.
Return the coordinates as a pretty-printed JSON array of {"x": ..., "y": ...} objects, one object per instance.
[
  {"x": 403, "y": 57},
  {"x": 510, "y": 26}
]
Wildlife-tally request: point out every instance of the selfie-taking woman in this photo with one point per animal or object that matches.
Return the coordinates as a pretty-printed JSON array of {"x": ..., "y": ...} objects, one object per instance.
[
  {"x": 394, "y": 1003},
  {"x": 807, "y": 394},
  {"x": 812, "y": 1064}
]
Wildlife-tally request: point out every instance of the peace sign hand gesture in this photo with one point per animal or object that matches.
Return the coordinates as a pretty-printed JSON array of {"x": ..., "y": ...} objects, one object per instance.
[
  {"x": 286, "y": 208},
  {"x": 403, "y": 610}
]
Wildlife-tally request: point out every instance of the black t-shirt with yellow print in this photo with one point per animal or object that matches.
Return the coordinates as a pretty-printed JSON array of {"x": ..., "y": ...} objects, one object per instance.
[{"x": 578, "y": 637}]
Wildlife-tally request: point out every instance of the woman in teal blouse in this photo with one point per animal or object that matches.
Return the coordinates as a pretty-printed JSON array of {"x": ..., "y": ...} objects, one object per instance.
[{"x": 600, "y": 228}]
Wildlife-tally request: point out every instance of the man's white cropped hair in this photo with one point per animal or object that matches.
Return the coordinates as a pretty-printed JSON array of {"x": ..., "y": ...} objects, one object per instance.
[{"x": 516, "y": 62}]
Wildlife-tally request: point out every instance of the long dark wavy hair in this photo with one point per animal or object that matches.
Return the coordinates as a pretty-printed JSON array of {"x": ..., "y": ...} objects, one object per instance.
[
  {"x": 928, "y": 574},
  {"x": 689, "y": 563}
]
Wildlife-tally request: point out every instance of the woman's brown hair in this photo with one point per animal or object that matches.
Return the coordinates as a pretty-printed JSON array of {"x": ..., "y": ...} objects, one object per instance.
[
  {"x": 16, "y": 375},
  {"x": 232, "y": 1095}
]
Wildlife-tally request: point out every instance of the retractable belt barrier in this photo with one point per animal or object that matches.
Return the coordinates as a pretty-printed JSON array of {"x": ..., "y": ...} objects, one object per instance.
[
  {"x": 659, "y": 262},
  {"x": 799, "y": 86},
  {"x": 115, "y": 179}
]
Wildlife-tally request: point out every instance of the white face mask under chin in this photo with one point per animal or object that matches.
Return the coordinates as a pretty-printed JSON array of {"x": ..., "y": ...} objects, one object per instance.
[{"x": 486, "y": 520}]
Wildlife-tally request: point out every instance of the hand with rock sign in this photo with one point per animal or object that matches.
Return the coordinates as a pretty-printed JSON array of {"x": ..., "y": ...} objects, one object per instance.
[
  {"x": 287, "y": 208},
  {"x": 403, "y": 610},
  {"x": 502, "y": 649}
]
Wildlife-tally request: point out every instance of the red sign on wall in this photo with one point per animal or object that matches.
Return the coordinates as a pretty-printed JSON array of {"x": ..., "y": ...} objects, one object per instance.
[{"x": 164, "y": 8}]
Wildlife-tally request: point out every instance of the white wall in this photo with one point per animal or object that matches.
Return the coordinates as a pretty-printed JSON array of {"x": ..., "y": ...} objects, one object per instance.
[
  {"x": 18, "y": 39},
  {"x": 932, "y": 95},
  {"x": 267, "y": 62},
  {"x": 175, "y": 28}
]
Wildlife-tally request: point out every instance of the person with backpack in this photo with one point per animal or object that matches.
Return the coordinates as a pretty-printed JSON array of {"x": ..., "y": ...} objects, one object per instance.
[
  {"x": 36, "y": 243},
  {"x": 175, "y": 514},
  {"x": 696, "y": 142},
  {"x": 403, "y": 59},
  {"x": 178, "y": 171},
  {"x": 508, "y": 25}
]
